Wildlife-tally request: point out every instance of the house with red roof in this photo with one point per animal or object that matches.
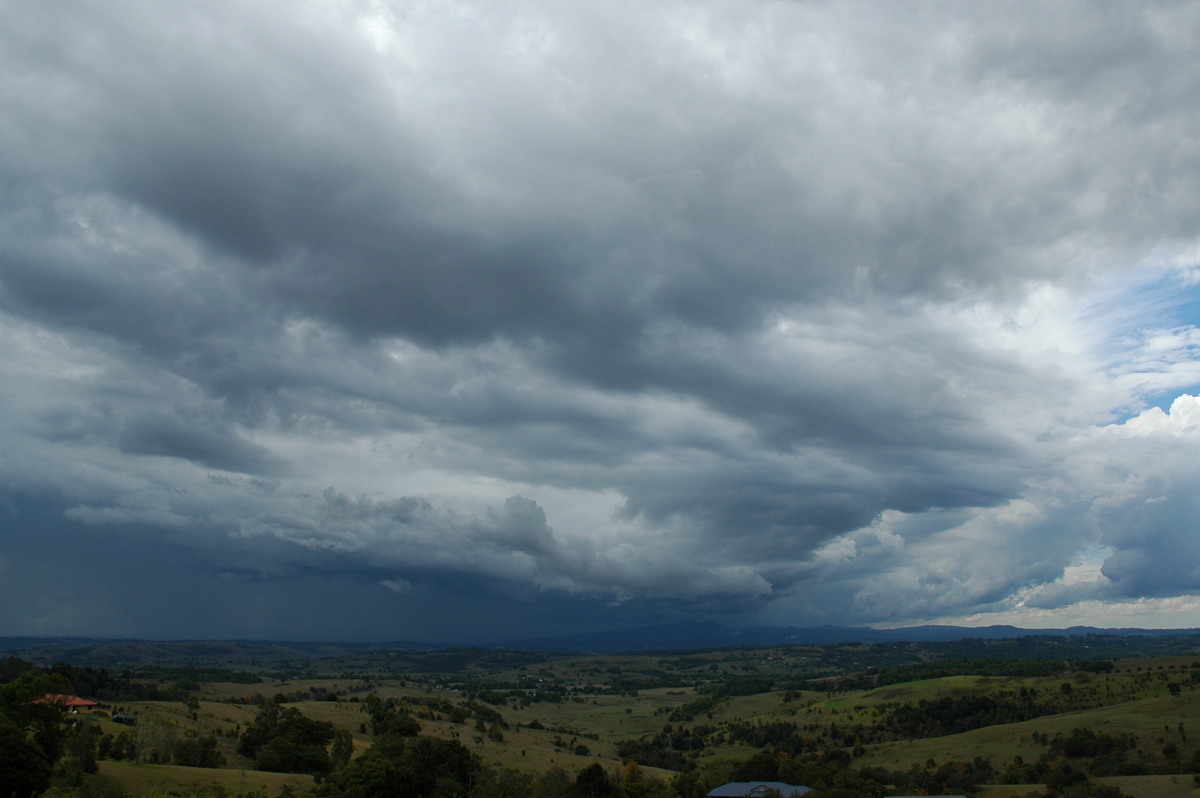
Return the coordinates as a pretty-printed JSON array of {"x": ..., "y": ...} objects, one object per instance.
[{"x": 70, "y": 703}]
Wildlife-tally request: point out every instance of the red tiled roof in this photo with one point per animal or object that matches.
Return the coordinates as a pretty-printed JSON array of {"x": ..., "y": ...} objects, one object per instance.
[{"x": 66, "y": 700}]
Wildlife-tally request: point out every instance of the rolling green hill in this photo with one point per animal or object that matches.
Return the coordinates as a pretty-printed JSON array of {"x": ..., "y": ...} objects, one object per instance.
[{"x": 848, "y": 720}]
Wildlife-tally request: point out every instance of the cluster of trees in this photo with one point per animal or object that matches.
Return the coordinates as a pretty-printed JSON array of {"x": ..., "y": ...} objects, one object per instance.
[
  {"x": 98, "y": 683},
  {"x": 1067, "y": 766},
  {"x": 390, "y": 718},
  {"x": 33, "y": 739},
  {"x": 195, "y": 675},
  {"x": 423, "y": 767},
  {"x": 283, "y": 740},
  {"x": 952, "y": 666},
  {"x": 704, "y": 705},
  {"x": 958, "y": 666},
  {"x": 156, "y": 743},
  {"x": 1098, "y": 754},
  {"x": 81, "y": 743},
  {"x": 938, "y": 717},
  {"x": 36, "y": 738},
  {"x": 832, "y": 775},
  {"x": 400, "y": 761},
  {"x": 31, "y": 734},
  {"x": 711, "y": 695},
  {"x": 313, "y": 693}
]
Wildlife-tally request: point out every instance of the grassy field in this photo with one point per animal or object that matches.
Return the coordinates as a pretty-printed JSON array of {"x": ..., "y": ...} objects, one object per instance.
[
  {"x": 1156, "y": 720},
  {"x": 143, "y": 779},
  {"x": 598, "y": 704},
  {"x": 1178, "y": 786}
]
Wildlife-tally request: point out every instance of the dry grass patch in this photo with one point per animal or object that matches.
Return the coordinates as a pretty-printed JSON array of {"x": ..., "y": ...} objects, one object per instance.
[
  {"x": 147, "y": 779},
  {"x": 1179, "y": 786}
]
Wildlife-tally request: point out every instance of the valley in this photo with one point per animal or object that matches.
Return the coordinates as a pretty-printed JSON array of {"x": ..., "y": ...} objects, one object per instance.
[{"x": 989, "y": 718}]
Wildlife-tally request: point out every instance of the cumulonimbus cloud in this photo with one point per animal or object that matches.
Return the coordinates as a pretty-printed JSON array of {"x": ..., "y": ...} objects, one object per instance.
[{"x": 741, "y": 306}]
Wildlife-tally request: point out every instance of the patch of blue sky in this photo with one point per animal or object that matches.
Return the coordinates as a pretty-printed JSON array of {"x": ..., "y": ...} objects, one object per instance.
[{"x": 1151, "y": 323}]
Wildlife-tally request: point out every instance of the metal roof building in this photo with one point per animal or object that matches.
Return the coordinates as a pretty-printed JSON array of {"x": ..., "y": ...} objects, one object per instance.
[{"x": 757, "y": 789}]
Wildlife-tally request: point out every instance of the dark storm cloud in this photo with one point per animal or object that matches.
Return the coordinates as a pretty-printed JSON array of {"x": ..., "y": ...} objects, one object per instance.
[
  {"x": 742, "y": 307},
  {"x": 195, "y": 439},
  {"x": 329, "y": 180}
]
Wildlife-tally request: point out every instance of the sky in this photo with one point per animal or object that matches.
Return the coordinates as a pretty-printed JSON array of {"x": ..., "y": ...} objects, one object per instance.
[{"x": 466, "y": 321}]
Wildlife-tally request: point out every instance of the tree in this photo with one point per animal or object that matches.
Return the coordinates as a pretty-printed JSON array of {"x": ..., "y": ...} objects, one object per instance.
[
  {"x": 503, "y": 783},
  {"x": 423, "y": 768},
  {"x": 82, "y": 744},
  {"x": 22, "y": 703},
  {"x": 372, "y": 775},
  {"x": 153, "y": 741},
  {"x": 24, "y": 768},
  {"x": 593, "y": 782},
  {"x": 122, "y": 746},
  {"x": 389, "y": 718},
  {"x": 343, "y": 748},
  {"x": 1063, "y": 776},
  {"x": 282, "y": 755},
  {"x": 760, "y": 767},
  {"x": 198, "y": 752},
  {"x": 554, "y": 783},
  {"x": 688, "y": 785},
  {"x": 281, "y": 739}
]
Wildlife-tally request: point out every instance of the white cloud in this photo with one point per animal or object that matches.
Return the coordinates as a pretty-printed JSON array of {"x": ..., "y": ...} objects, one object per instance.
[{"x": 835, "y": 312}]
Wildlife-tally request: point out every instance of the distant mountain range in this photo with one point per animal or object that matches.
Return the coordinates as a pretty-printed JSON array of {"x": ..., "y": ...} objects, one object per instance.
[
  {"x": 715, "y": 635},
  {"x": 668, "y": 637}
]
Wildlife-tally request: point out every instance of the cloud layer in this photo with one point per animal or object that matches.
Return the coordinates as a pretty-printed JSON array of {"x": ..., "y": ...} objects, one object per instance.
[{"x": 442, "y": 316}]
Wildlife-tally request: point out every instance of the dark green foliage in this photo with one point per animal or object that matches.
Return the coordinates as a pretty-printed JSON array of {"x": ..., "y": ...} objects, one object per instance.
[
  {"x": 195, "y": 676},
  {"x": 492, "y": 697},
  {"x": 703, "y": 705},
  {"x": 423, "y": 767},
  {"x": 504, "y": 783},
  {"x": 594, "y": 782},
  {"x": 123, "y": 746},
  {"x": 1083, "y": 789},
  {"x": 12, "y": 667},
  {"x": 688, "y": 785},
  {"x": 342, "y": 749},
  {"x": 957, "y": 666},
  {"x": 554, "y": 783},
  {"x": 780, "y": 735},
  {"x": 760, "y": 767},
  {"x": 283, "y": 755},
  {"x": 21, "y": 703},
  {"x": 81, "y": 785},
  {"x": 1059, "y": 778},
  {"x": 281, "y": 739},
  {"x": 24, "y": 767},
  {"x": 197, "y": 751},
  {"x": 832, "y": 776},
  {"x": 1087, "y": 743},
  {"x": 82, "y": 743},
  {"x": 103, "y": 685},
  {"x": 956, "y": 714},
  {"x": 749, "y": 685},
  {"x": 484, "y": 713},
  {"x": 389, "y": 718},
  {"x": 651, "y": 754}
]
